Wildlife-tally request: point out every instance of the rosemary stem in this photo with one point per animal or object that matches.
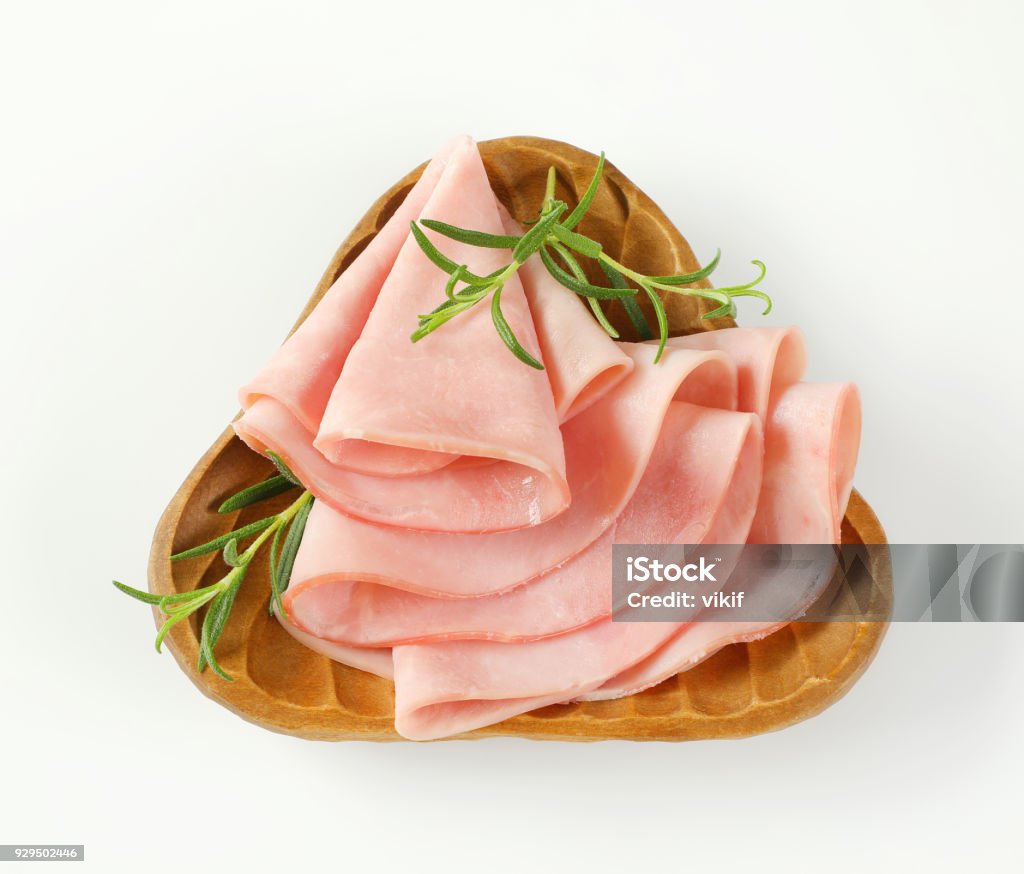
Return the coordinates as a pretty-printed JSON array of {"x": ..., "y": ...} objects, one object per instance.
[
  {"x": 553, "y": 233},
  {"x": 283, "y": 518},
  {"x": 639, "y": 278},
  {"x": 226, "y": 582},
  {"x": 549, "y": 190}
]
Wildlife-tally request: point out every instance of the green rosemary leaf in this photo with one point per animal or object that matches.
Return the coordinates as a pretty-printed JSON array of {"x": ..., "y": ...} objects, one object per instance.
[
  {"x": 505, "y": 332},
  {"x": 749, "y": 292},
  {"x": 724, "y": 310},
  {"x": 549, "y": 189},
  {"x": 659, "y": 312},
  {"x": 291, "y": 547},
  {"x": 582, "y": 288},
  {"x": 431, "y": 251},
  {"x": 219, "y": 543},
  {"x": 275, "y": 578},
  {"x": 568, "y": 259},
  {"x": 534, "y": 238},
  {"x": 169, "y": 623},
  {"x": 602, "y": 319},
  {"x": 176, "y": 602},
  {"x": 422, "y": 331},
  {"x": 630, "y": 304},
  {"x": 577, "y": 242},
  {"x": 231, "y": 554},
  {"x": 438, "y": 257},
  {"x": 762, "y": 270},
  {"x": 453, "y": 280},
  {"x": 441, "y": 317},
  {"x": 688, "y": 278},
  {"x": 213, "y": 626},
  {"x": 472, "y": 238},
  {"x": 595, "y": 307},
  {"x": 269, "y": 488},
  {"x": 138, "y": 594},
  {"x": 469, "y": 293},
  {"x": 440, "y": 308},
  {"x": 283, "y": 468},
  {"x": 577, "y": 214}
]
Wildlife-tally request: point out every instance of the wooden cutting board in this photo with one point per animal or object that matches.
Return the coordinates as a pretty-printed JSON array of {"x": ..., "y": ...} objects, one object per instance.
[{"x": 743, "y": 689}]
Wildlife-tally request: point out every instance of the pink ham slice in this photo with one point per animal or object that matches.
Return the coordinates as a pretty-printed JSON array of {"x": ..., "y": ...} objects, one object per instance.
[
  {"x": 812, "y": 439},
  {"x": 768, "y": 360},
  {"x": 698, "y": 641},
  {"x": 607, "y": 448},
  {"x": 681, "y": 498},
  {"x": 373, "y": 661},
  {"x": 443, "y": 689},
  {"x": 303, "y": 372},
  {"x": 788, "y": 596},
  {"x": 581, "y": 360},
  {"x": 811, "y": 444},
  {"x": 471, "y": 499},
  {"x": 440, "y": 387},
  {"x": 448, "y": 688},
  {"x": 402, "y": 408}
]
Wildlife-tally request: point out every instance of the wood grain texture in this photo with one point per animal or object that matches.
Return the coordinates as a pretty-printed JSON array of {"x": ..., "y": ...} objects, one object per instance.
[{"x": 743, "y": 689}]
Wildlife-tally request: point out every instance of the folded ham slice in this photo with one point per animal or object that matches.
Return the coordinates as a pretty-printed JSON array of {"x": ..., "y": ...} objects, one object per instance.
[
  {"x": 788, "y": 596},
  {"x": 373, "y": 661},
  {"x": 680, "y": 499},
  {"x": 696, "y": 642},
  {"x": 478, "y": 499},
  {"x": 607, "y": 449},
  {"x": 406, "y": 411},
  {"x": 811, "y": 442},
  {"x": 812, "y": 438},
  {"x": 767, "y": 360},
  {"x": 303, "y": 372},
  {"x": 401, "y": 408},
  {"x": 443, "y": 689}
]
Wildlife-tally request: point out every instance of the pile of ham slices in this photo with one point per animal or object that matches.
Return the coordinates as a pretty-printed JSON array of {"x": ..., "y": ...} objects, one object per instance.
[{"x": 461, "y": 541}]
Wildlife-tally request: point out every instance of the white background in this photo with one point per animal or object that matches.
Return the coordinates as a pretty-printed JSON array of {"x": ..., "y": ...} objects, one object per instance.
[{"x": 176, "y": 176}]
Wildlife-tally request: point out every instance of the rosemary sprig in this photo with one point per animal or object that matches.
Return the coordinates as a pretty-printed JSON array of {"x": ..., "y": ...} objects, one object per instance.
[
  {"x": 286, "y": 528},
  {"x": 269, "y": 488},
  {"x": 554, "y": 240}
]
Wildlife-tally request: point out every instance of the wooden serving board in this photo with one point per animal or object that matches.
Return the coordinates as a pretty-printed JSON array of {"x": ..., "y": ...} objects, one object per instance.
[{"x": 743, "y": 689}]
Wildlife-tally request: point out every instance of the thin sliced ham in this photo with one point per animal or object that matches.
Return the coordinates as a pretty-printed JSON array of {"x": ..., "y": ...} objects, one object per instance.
[
  {"x": 373, "y": 661},
  {"x": 403, "y": 411},
  {"x": 401, "y": 408},
  {"x": 467, "y": 508},
  {"x": 811, "y": 443},
  {"x": 698, "y": 641},
  {"x": 680, "y": 499},
  {"x": 471, "y": 499},
  {"x": 768, "y": 360},
  {"x": 812, "y": 438},
  {"x": 443, "y": 689},
  {"x": 782, "y": 599},
  {"x": 303, "y": 372},
  {"x": 607, "y": 449},
  {"x": 582, "y": 361}
]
